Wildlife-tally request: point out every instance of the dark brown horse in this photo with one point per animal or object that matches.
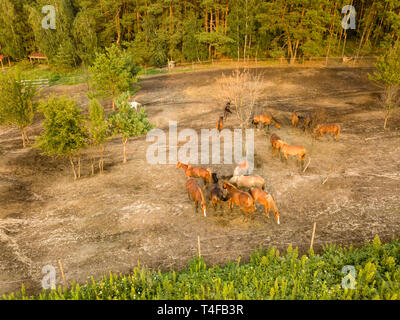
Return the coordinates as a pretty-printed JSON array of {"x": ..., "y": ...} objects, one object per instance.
[
  {"x": 193, "y": 189},
  {"x": 216, "y": 193},
  {"x": 227, "y": 110}
]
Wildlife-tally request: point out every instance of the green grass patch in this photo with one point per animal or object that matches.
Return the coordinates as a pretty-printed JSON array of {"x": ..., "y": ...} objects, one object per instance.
[
  {"x": 55, "y": 76},
  {"x": 269, "y": 274}
]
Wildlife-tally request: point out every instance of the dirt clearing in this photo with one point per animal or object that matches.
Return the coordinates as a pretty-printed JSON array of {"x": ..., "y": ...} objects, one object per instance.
[{"x": 140, "y": 212}]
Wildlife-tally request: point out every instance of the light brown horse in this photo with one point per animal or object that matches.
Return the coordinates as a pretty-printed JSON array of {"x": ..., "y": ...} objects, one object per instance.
[
  {"x": 248, "y": 181},
  {"x": 295, "y": 119},
  {"x": 298, "y": 151},
  {"x": 243, "y": 199},
  {"x": 265, "y": 119},
  {"x": 242, "y": 168},
  {"x": 220, "y": 123},
  {"x": 276, "y": 144},
  {"x": 267, "y": 201},
  {"x": 333, "y": 129},
  {"x": 193, "y": 189},
  {"x": 193, "y": 172}
]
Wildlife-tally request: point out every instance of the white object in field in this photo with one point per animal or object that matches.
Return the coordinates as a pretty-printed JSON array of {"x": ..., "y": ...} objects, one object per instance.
[
  {"x": 242, "y": 169},
  {"x": 135, "y": 105}
]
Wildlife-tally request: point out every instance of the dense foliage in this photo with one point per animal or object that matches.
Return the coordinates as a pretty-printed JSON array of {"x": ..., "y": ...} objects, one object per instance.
[
  {"x": 268, "y": 275},
  {"x": 17, "y": 107},
  {"x": 158, "y": 30}
]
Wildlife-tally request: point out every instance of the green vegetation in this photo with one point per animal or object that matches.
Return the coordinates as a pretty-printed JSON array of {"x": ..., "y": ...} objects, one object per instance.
[
  {"x": 98, "y": 131},
  {"x": 113, "y": 73},
  {"x": 268, "y": 275},
  {"x": 17, "y": 108},
  {"x": 388, "y": 75},
  {"x": 156, "y": 31},
  {"x": 127, "y": 122},
  {"x": 65, "y": 133}
]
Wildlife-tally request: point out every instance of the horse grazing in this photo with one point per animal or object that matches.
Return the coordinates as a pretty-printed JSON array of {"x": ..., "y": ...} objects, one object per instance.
[
  {"x": 248, "y": 181},
  {"x": 276, "y": 144},
  {"x": 220, "y": 123},
  {"x": 193, "y": 172},
  {"x": 194, "y": 190},
  {"x": 243, "y": 199},
  {"x": 299, "y": 151},
  {"x": 333, "y": 129},
  {"x": 227, "y": 110},
  {"x": 306, "y": 119},
  {"x": 265, "y": 119},
  {"x": 242, "y": 169},
  {"x": 267, "y": 201},
  {"x": 216, "y": 193}
]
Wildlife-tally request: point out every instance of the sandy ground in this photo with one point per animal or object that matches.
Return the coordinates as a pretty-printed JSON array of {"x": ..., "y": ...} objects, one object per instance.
[{"x": 140, "y": 212}]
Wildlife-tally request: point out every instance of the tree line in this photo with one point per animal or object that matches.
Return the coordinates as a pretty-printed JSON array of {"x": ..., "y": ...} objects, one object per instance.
[{"x": 156, "y": 31}]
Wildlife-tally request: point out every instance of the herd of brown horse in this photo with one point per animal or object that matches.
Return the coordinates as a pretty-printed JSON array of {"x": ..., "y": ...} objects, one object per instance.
[
  {"x": 243, "y": 190},
  {"x": 231, "y": 192}
]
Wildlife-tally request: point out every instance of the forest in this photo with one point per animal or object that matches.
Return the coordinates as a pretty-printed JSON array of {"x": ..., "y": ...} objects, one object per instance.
[{"x": 156, "y": 31}]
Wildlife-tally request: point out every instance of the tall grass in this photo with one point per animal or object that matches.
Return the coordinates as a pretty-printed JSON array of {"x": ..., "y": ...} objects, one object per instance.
[{"x": 270, "y": 274}]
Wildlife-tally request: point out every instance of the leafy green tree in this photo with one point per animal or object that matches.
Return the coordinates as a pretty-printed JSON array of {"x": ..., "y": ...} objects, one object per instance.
[
  {"x": 65, "y": 133},
  {"x": 387, "y": 75},
  {"x": 98, "y": 131},
  {"x": 128, "y": 123},
  {"x": 113, "y": 73},
  {"x": 17, "y": 107}
]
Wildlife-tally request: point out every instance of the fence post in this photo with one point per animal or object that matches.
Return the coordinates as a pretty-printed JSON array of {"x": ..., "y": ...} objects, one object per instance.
[
  {"x": 198, "y": 246},
  {"x": 62, "y": 273},
  {"x": 313, "y": 235}
]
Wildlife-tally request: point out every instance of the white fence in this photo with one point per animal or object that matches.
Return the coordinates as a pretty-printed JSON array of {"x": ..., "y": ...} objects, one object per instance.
[{"x": 39, "y": 83}]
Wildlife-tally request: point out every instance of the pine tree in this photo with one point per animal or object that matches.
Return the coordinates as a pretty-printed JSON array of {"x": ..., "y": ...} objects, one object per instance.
[
  {"x": 65, "y": 133},
  {"x": 98, "y": 131},
  {"x": 127, "y": 123},
  {"x": 17, "y": 107},
  {"x": 388, "y": 76},
  {"x": 113, "y": 73}
]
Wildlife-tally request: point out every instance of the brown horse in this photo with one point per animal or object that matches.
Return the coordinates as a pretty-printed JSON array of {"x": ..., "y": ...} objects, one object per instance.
[
  {"x": 295, "y": 119},
  {"x": 194, "y": 190},
  {"x": 216, "y": 193},
  {"x": 248, "y": 181},
  {"x": 265, "y": 119},
  {"x": 267, "y": 201},
  {"x": 227, "y": 110},
  {"x": 298, "y": 151},
  {"x": 220, "y": 123},
  {"x": 306, "y": 119},
  {"x": 333, "y": 129},
  {"x": 243, "y": 199},
  {"x": 276, "y": 144},
  {"x": 193, "y": 172}
]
